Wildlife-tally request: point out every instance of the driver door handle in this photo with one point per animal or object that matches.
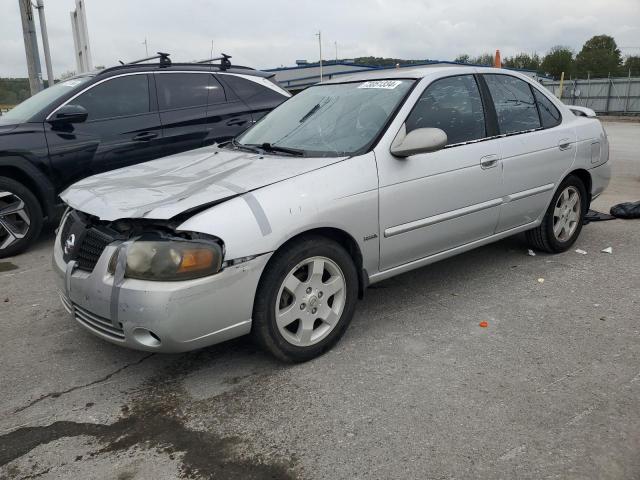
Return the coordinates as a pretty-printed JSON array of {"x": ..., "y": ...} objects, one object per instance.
[
  {"x": 145, "y": 136},
  {"x": 489, "y": 161}
]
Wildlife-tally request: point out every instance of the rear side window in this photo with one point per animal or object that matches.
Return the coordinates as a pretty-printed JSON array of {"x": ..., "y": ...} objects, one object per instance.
[
  {"x": 181, "y": 90},
  {"x": 452, "y": 104},
  {"x": 549, "y": 114},
  {"x": 117, "y": 97},
  {"x": 250, "y": 91},
  {"x": 514, "y": 103}
]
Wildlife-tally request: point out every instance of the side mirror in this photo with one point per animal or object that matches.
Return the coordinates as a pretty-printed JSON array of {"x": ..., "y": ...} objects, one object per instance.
[
  {"x": 420, "y": 140},
  {"x": 70, "y": 114}
]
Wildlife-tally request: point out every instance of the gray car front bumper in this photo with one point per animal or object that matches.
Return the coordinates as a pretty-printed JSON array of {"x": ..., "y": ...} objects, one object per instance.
[{"x": 160, "y": 316}]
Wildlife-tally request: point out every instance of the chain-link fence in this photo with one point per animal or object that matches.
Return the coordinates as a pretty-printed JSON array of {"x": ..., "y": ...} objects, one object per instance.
[{"x": 604, "y": 95}]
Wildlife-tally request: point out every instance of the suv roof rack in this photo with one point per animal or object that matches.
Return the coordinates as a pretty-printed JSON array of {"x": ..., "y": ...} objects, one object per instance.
[
  {"x": 225, "y": 63},
  {"x": 165, "y": 61}
]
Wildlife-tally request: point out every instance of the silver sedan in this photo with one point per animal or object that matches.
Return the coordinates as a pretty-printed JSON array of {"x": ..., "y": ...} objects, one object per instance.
[{"x": 279, "y": 232}]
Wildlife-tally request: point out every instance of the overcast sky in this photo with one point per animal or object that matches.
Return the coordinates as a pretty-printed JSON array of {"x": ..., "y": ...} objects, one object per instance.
[{"x": 273, "y": 33}]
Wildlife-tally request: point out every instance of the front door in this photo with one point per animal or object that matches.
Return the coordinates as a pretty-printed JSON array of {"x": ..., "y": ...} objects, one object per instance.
[
  {"x": 122, "y": 128},
  {"x": 433, "y": 202}
]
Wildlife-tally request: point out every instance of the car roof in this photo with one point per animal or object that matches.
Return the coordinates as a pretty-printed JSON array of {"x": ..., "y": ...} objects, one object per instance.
[{"x": 417, "y": 72}]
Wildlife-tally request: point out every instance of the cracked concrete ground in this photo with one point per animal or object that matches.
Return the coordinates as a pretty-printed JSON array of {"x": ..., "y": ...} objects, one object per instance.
[{"x": 416, "y": 389}]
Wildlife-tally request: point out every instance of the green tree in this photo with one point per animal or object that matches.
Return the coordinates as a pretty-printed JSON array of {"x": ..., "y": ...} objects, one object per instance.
[
  {"x": 599, "y": 57},
  {"x": 524, "y": 61},
  {"x": 462, "y": 58},
  {"x": 632, "y": 63},
  {"x": 559, "y": 59},
  {"x": 484, "y": 59}
]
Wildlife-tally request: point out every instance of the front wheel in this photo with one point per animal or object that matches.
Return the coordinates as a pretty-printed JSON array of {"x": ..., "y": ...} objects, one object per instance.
[
  {"x": 20, "y": 217},
  {"x": 562, "y": 222},
  {"x": 305, "y": 300}
]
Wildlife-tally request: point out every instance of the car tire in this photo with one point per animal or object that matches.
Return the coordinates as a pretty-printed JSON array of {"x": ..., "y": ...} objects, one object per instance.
[
  {"x": 314, "y": 285},
  {"x": 563, "y": 219},
  {"x": 18, "y": 230}
]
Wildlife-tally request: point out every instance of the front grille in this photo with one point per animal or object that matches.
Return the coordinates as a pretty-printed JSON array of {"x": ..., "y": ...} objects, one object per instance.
[
  {"x": 98, "y": 324},
  {"x": 92, "y": 246}
]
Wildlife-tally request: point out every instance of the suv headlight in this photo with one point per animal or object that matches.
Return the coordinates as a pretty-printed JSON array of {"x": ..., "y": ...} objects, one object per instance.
[{"x": 170, "y": 259}]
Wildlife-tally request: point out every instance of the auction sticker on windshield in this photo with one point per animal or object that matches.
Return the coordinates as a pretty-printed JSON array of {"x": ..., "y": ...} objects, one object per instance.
[{"x": 386, "y": 84}]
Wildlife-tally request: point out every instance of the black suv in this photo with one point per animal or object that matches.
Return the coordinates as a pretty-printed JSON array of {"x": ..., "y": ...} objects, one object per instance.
[{"x": 123, "y": 115}]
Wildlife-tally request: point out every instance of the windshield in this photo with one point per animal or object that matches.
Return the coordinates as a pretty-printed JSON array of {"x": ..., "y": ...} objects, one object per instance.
[
  {"x": 328, "y": 120},
  {"x": 27, "y": 109}
]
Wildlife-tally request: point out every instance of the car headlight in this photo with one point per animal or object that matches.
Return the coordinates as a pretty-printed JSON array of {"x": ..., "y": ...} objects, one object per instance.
[{"x": 170, "y": 259}]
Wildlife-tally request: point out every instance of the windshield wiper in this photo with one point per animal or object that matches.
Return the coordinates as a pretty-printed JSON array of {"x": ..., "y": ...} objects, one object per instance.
[
  {"x": 242, "y": 146},
  {"x": 268, "y": 147}
]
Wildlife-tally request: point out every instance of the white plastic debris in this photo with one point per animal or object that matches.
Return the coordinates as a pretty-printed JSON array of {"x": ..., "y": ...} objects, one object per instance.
[
  {"x": 531, "y": 253},
  {"x": 607, "y": 250},
  {"x": 541, "y": 280},
  {"x": 581, "y": 252}
]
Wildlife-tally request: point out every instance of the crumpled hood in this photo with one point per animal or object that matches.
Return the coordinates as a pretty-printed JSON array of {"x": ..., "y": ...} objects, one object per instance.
[{"x": 166, "y": 187}]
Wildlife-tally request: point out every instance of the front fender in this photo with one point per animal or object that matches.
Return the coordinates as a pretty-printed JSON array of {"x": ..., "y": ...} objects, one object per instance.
[{"x": 343, "y": 195}]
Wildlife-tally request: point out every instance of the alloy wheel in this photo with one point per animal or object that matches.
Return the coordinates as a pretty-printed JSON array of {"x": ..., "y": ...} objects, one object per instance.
[
  {"x": 567, "y": 214},
  {"x": 14, "y": 219},
  {"x": 310, "y": 301}
]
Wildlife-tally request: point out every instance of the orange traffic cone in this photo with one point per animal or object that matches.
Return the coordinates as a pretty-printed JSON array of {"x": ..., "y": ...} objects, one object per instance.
[{"x": 496, "y": 61}]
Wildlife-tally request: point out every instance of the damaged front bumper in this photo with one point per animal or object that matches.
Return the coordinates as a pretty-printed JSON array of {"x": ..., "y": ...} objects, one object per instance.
[{"x": 159, "y": 316}]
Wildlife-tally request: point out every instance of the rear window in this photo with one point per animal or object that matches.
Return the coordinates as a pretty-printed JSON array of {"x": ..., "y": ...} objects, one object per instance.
[
  {"x": 549, "y": 114},
  {"x": 250, "y": 91},
  {"x": 514, "y": 103}
]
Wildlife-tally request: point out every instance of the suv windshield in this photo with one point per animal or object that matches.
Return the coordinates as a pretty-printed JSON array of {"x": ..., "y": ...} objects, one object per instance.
[
  {"x": 328, "y": 120},
  {"x": 27, "y": 109}
]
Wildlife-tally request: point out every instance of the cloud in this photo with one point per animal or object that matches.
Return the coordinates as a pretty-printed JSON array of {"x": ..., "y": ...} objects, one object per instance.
[{"x": 269, "y": 34}]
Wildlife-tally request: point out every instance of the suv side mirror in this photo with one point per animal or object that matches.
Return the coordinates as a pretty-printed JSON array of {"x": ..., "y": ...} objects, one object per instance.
[
  {"x": 420, "y": 140},
  {"x": 70, "y": 114}
]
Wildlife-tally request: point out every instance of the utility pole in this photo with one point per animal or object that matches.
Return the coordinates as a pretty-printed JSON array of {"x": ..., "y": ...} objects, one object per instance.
[
  {"x": 319, "y": 35},
  {"x": 146, "y": 46},
  {"x": 31, "y": 46},
  {"x": 45, "y": 42},
  {"x": 336, "y": 44}
]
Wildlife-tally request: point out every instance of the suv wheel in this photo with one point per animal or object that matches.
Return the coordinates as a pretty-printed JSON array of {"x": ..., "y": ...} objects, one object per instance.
[
  {"x": 305, "y": 300},
  {"x": 20, "y": 217},
  {"x": 563, "y": 221}
]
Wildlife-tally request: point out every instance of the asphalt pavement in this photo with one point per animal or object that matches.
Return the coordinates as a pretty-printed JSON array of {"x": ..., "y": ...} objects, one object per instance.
[{"x": 415, "y": 390}]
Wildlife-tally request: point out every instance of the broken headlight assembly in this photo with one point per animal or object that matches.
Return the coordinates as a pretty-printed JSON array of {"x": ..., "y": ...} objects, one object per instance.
[{"x": 169, "y": 259}]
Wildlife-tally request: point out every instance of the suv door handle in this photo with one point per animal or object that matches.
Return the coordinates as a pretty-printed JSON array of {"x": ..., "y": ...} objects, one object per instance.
[
  {"x": 145, "y": 136},
  {"x": 564, "y": 144},
  {"x": 489, "y": 161},
  {"x": 236, "y": 122}
]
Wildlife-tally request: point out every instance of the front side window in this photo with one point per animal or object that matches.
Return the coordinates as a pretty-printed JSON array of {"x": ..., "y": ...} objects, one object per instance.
[
  {"x": 331, "y": 119},
  {"x": 451, "y": 104},
  {"x": 549, "y": 114},
  {"x": 117, "y": 97},
  {"x": 514, "y": 103},
  {"x": 182, "y": 90}
]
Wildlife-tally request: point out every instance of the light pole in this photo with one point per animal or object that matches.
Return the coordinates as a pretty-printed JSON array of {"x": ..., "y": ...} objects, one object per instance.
[
  {"x": 319, "y": 35},
  {"x": 45, "y": 41},
  {"x": 146, "y": 46},
  {"x": 336, "y": 44}
]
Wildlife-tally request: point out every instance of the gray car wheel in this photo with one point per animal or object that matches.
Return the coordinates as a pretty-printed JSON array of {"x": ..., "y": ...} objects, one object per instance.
[
  {"x": 20, "y": 217},
  {"x": 306, "y": 299}
]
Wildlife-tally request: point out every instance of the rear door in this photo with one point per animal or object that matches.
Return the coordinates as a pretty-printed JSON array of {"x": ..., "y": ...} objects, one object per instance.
[
  {"x": 183, "y": 102},
  {"x": 433, "y": 202},
  {"x": 122, "y": 128},
  {"x": 227, "y": 115},
  {"x": 537, "y": 148}
]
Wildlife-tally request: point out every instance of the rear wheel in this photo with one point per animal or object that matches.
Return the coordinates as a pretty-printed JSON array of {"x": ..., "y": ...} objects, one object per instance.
[
  {"x": 20, "y": 217},
  {"x": 305, "y": 300},
  {"x": 562, "y": 222}
]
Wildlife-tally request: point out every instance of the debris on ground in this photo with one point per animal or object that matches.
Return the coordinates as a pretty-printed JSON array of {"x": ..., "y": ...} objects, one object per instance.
[
  {"x": 531, "y": 253},
  {"x": 626, "y": 210},
  {"x": 595, "y": 216},
  {"x": 580, "y": 251},
  {"x": 607, "y": 250},
  {"x": 541, "y": 280},
  {"x": 484, "y": 324}
]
